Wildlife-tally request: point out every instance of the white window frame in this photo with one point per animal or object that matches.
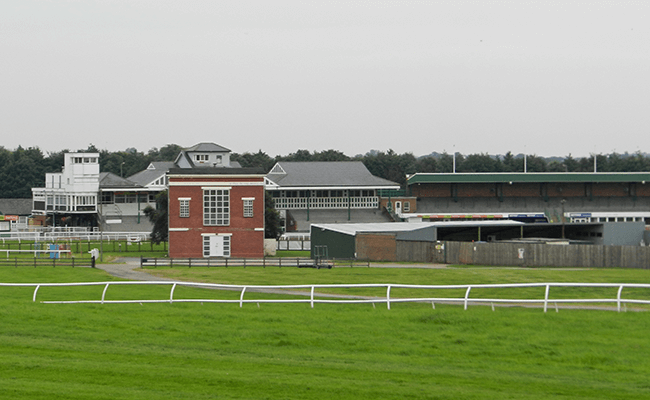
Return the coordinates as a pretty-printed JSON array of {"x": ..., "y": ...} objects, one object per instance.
[
  {"x": 216, "y": 207},
  {"x": 184, "y": 207},
  {"x": 248, "y": 207}
]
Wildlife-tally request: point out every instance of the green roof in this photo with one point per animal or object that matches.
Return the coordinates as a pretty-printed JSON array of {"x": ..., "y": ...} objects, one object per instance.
[{"x": 530, "y": 177}]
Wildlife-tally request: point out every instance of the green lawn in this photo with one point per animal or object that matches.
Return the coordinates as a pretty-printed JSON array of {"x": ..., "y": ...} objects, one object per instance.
[{"x": 290, "y": 351}]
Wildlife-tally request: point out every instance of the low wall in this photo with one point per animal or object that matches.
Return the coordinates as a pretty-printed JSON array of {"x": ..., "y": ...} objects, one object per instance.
[{"x": 524, "y": 255}]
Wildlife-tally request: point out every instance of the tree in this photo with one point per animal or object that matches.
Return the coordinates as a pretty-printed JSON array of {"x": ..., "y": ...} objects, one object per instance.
[
  {"x": 158, "y": 218},
  {"x": 272, "y": 223}
]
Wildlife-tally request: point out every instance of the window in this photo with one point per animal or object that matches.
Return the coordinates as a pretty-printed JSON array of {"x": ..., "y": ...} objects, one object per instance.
[
  {"x": 216, "y": 207},
  {"x": 201, "y": 157},
  {"x": 248, "y": 208},
  {"x": 407, "y": 206},
  {"x": 184, "y": 208}
]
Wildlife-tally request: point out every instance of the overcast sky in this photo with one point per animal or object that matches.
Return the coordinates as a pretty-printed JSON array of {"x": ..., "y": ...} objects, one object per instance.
[{"x": 541, "y": 77}]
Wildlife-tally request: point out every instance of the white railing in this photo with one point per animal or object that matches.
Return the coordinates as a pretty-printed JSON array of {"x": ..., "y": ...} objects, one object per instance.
[
  {"x": 334, "y": 298},
  {"x": 132, "y": 236},
  {"x": 293, "y": 203}
]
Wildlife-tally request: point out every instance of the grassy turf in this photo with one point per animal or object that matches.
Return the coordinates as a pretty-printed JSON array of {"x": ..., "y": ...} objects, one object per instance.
[{"x": 193, "y": 351}]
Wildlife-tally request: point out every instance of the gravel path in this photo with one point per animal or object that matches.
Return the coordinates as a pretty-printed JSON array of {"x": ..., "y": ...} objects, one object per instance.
[{"x": 130, "y": 269}]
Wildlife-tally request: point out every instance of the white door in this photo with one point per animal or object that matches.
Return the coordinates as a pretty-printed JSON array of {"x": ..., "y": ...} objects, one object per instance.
[
  {"x": 398, "y": 207},
  {"x": 216, "y": 246}
]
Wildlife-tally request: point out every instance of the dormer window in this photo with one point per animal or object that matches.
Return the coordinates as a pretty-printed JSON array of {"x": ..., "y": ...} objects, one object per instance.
[{"x": 201, "y": 158}]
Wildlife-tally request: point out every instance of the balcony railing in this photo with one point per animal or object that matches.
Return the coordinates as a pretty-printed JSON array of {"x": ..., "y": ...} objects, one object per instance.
[{"x": 296, "y": 203}]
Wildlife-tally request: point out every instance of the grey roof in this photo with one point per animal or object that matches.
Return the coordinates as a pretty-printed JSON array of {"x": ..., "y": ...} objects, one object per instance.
[
  {"x": 206, "y": 146},
  {"x": 149, "y": 175},
  {"x": 162, "y": 165},
  {"x": 110, "y": 180},
  {"x": 16, "y": 206},
  {"x": 394, "y": 227},
  {"x": 288, "y": 174}
]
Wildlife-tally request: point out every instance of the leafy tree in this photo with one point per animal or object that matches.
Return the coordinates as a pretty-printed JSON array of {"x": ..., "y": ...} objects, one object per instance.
[
  {"x": 272, "y": 222},
  {"x": 158, "y": 218},
  {"x": 256, "y": 160}
]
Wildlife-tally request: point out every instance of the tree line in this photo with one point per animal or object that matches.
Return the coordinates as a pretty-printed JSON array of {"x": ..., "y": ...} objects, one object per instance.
[{"x": 21, "y": 169}]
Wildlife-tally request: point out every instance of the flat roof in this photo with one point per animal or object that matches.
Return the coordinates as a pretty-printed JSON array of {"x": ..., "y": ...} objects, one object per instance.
[{"x": 529, "y": 177}]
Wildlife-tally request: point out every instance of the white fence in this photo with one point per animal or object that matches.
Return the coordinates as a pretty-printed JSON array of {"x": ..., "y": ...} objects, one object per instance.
[{"x": 314, "y": 297}]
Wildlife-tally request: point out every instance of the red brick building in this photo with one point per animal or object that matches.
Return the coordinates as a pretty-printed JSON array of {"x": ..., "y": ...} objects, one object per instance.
[{"x": 216, "y": 212}]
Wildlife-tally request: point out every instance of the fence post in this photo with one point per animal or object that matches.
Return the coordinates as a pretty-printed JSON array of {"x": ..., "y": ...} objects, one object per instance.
[
  {"x": 388, "y": 297},
  {"x": 312, "y": 297},
  {"x": 241, "y": 297},
  {"x": 618, "y": 298},
  {"x": 548, "y": 287},
  {"x": 189, "y": 262},
  {"x": 467, "y": 296},
  {"x": 171, "y": 294}
]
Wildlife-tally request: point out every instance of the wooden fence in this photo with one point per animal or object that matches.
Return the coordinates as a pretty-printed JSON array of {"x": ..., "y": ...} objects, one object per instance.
[
  {"x": 46, "y": 262},
  {"x": 300, "y": 262},
  {"x": 524, "y": 254}
]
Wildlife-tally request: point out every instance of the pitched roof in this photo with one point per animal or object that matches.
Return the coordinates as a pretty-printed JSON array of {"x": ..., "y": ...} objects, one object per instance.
[
  {"x": 110, "y": 180},
  {"x": 295, "y": 174},
  {"x": 207, "y": 146},
  {"x": 155, "y": 170}
]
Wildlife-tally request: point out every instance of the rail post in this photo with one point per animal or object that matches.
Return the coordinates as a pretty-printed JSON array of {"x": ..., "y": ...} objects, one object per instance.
[
  {"x": 388, "y": 297},
  {"x": 618, "y": 298},
  {"x": 467, "y": 296},
  {"x": 241, "y": 297},
  {"x": 548, "y": 287}
]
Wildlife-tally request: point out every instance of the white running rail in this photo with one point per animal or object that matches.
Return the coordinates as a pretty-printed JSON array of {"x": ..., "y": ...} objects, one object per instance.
[{"x": 314, "y": 297}]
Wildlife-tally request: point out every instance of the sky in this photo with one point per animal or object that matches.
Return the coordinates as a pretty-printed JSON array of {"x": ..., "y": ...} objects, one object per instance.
[{"x": 549, "y": 78}]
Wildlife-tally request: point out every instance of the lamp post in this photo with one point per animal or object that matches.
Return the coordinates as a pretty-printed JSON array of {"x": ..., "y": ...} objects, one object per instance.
[{"x": 121, "y": 172}]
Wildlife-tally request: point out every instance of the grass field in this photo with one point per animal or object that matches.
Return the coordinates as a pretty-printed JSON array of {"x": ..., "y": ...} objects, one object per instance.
[{"x": 284, "y": 351}]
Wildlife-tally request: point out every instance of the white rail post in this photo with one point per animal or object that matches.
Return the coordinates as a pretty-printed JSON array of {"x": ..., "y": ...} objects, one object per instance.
[
  {"x": 548, "y": 287},
  {"x": 104, "y": 292},
  {"x": 35, "y": 290},
  {"x": 618, "y": 298},
  {"x": 171, "y": 294},
  {"x": 467, "y": 295},
  {"x": 312, "y": 297},
  {"x": 388, "y": 297},
  {"x": 241, "y": 297}
]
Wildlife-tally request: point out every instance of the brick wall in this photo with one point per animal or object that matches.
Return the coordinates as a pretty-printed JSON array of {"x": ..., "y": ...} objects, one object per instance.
[
  {"x": 376, "y": 246},
  {"x": 247, "y": 234}
]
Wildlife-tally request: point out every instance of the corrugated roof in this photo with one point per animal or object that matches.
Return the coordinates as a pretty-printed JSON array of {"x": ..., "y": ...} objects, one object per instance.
[
  {"x": 531, "y": 177},
  {"x": 326, "y": 174},
  {"x": 390, "y": 227}
]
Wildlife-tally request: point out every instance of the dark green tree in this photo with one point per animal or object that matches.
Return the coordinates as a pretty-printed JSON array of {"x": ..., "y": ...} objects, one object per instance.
[
  {"x": 272, "y": 222},
  {"x": 158, "y": 218}
]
